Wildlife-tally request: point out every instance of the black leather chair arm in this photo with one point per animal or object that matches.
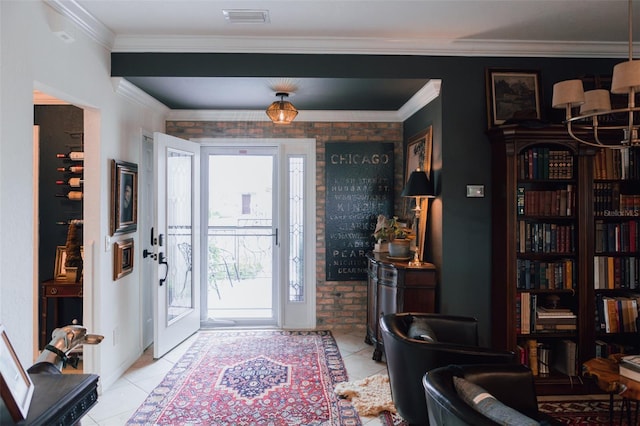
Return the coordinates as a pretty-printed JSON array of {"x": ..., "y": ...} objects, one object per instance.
[{"x": 446, "y": 407}]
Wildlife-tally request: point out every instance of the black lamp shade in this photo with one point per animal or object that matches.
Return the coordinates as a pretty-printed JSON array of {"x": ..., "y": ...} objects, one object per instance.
[{"x": 419, "y": 185}]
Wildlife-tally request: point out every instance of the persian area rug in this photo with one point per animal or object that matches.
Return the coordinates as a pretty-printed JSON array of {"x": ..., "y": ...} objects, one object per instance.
[
  {"x": 252, "y": 378},
  {"x": 582, "y": 413},
  {"x": 370, "y": 396}
]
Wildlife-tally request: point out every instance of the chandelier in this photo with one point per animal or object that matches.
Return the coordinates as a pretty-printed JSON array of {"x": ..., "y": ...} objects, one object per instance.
[
  {"x": 282, "y": 112},
  {"x": 595, "y": 105}
]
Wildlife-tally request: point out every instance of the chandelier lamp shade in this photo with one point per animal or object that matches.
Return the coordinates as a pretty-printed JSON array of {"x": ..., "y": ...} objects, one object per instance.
[
  {"x": 595, "y": 105},
  {"x": 282, "y": 112}
]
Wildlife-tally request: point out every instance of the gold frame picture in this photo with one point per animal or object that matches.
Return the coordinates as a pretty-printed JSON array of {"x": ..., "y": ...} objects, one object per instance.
[
  {"x": 124, "y": 197},
  {"x": 122, "y": 258},
  {"x": 59, "y": 270},
  {"x": 16, "y": 387}
]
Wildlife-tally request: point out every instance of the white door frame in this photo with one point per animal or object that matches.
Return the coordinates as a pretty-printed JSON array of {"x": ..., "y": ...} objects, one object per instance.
[{"x": 290, "y": 314}]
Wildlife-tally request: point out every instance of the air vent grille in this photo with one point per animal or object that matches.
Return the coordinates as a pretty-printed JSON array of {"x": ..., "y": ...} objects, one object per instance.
[{"x": 246, "y": 16}]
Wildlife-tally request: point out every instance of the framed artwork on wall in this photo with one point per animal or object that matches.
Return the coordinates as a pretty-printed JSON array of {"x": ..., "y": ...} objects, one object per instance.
[
  {"x": 512, "y": 94},
  {"x": 419, "y": 149},
  {"x": 16, "y": 387},
  {"x": 122, "y": 258},
  {"x": 59, "y": 270},
  {"x": 124, "y": 197}
]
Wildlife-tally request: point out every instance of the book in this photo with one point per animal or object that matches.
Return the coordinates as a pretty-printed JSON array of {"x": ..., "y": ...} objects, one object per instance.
[
  {"x": 532, "y": 346},
  {"x": 543, "y": 359},
  {"x": 628, "y": 369},
  {"x": 565, "y": 359}
]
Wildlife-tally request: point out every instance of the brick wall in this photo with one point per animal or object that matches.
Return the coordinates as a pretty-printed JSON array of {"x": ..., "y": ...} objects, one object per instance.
[{"x": 340, "y": 304}]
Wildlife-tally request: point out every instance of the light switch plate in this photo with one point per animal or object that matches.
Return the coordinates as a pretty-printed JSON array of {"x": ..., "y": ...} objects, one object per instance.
[{"x": 475, "y": 191}]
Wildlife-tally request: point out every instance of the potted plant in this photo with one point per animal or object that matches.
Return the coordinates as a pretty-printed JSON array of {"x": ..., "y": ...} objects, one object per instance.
[
  {"x": 394, "y": 233},
  {"x": 73, "y": 261}
]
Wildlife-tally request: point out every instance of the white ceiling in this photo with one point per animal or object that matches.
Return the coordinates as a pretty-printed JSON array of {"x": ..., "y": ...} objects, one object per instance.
[
  {"x": 545, "y": 28},
  {"x": 471, "y": 27}
]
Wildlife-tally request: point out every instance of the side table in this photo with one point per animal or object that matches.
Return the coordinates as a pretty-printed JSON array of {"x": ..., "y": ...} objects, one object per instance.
[
  {"x": 607, "y": 375},
  {"x": 56, "y": 290}
]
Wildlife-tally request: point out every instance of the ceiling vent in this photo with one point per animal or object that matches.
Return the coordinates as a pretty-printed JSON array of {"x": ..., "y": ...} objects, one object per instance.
[{"x": 246, "y": 16}]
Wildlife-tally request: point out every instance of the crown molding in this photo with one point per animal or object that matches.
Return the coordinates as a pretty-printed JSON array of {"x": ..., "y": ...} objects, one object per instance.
[
  {"x": 373, "y": 46},
  {"x": 85, "y": 21},
  {"x": 423, "y": 97},
  {"x": 303, "y": 116},
  {"x": 132, "y": 93}
]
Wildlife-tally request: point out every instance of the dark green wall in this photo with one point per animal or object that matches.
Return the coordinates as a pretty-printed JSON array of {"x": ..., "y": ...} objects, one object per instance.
[{"x": 464, "y": 260}]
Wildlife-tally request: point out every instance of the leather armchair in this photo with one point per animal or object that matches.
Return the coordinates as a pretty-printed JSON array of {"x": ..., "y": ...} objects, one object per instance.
[
  {"x": 446, "y": 407},
  {"x": 408, "y": 359}
]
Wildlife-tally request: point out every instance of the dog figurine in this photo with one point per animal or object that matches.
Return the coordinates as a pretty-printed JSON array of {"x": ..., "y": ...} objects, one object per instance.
[{"x": 55, "y": 355}]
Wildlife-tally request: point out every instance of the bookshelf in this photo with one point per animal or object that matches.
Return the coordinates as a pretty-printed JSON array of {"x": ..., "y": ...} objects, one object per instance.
[
  {"x": 543, "y": 303},
  {"x": 616, "y": 262}
]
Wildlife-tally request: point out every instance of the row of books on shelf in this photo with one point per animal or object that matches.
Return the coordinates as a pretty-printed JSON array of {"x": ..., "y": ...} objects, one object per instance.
[
  {"x": 545, "y": 163},
  {"x": 557, "y": 275},
  {"x": 604, "y": 349},
  {"x": 557, "y": 202},
  {"x": 616, "y": 314},
  {"x": 531, "y": 318},
  {"x": 617, "y": 164},
  {"x": 614, "y": 272},
  {"x": 608, "y": 201},
  {"x": 543, "y": 358},
  {"x": 619, "y": 237},
  {"x": 539, "y": 237}
]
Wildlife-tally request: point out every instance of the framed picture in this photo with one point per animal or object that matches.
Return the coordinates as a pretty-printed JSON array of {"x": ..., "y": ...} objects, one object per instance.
[
  {"x": 59, "y": 270},
  {"x": 512, "y": 94},
  {"x": 16, "y": 387},
  {"x": 124, "y": 197},
  {"x": 122, "y": 258},
  {"x": 419, "y": 149},
  {"x": 419, "y": 152}
]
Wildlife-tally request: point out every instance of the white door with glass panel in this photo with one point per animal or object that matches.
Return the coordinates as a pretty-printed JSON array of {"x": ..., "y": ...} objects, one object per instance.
[
  {"x": 176, "y": 240},
  {"x": 258, "y": 245}
]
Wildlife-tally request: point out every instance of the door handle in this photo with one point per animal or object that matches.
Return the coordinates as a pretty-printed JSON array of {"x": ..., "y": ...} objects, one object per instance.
[{"x": 162, "y": 261}]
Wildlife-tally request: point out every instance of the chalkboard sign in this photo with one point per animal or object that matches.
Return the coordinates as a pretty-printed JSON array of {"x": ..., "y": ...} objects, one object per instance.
[{"x": 359, "y": 181}]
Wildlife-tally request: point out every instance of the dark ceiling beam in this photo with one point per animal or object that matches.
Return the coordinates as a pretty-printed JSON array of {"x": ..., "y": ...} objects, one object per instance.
[{"x": 131, "y": 64}]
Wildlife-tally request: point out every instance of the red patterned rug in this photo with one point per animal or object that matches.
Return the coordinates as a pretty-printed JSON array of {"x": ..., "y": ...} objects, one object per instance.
[
  {"x": 575, "y": 413},
  {"x": 252, "y": 378}
]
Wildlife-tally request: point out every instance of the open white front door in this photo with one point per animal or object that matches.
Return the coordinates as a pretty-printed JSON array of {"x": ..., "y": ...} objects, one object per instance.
[{"x": 177, "y": 238}]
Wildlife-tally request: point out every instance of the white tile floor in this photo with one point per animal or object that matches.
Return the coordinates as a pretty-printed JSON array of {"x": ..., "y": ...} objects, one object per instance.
[{"x": 116, "y": 405}]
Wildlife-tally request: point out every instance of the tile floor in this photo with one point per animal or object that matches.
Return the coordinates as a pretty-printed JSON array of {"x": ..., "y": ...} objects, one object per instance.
[{"x": 116, "y": 405}]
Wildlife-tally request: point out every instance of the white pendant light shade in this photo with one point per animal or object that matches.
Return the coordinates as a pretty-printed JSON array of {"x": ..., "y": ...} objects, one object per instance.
[
  {"x": 626, "y": 75},
  {"x": 595, "y": 105},
  {"x": 568, "y": 93},
  {"x": 596, "y": 101}
]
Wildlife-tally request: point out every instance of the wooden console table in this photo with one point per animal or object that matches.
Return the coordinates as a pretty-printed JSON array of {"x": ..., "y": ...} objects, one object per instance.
[
  {"x": 55, "y": 290},
  {"x": 394, "y": 286}
]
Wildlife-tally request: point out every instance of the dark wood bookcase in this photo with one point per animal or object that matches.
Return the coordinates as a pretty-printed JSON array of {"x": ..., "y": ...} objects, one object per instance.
[{"x": 545, "y": 197}]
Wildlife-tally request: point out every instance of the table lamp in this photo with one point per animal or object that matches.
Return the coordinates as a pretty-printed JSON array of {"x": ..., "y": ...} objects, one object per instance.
[{"x": 418, "y": 186}]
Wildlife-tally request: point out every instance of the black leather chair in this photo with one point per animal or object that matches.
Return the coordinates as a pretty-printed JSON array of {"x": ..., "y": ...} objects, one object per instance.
[
  {"x": 408, "y": 359},
  {"x": 446, "y": 407}
]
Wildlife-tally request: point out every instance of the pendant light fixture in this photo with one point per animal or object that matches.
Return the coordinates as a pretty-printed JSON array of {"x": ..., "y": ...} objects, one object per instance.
[
  {"x": 282, "y": 112},
  {"x": 593, "y": 104}
]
